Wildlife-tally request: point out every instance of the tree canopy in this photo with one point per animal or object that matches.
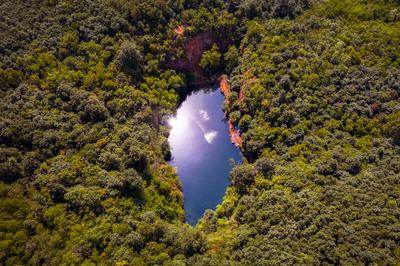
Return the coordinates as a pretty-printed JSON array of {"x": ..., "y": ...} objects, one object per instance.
[{"x": 84, "y": 88}]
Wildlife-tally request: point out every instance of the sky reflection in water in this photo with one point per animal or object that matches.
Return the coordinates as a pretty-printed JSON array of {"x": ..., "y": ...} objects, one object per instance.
[{"x": 201, "y": 150}]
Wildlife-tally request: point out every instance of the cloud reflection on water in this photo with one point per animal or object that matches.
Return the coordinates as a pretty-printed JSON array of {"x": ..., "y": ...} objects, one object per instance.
[
  {"x": 186, "y": 119},
  {"x": 210, "y": 136},
  {"x": 201, "y": 149},
  {"x": 204, "y": 115}
]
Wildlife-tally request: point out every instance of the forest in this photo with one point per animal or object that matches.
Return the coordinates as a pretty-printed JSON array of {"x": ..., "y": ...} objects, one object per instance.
[{"x": 85, "y": 87}]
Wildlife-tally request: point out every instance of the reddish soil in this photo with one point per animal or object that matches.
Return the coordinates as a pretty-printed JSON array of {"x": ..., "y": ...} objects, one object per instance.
[
  {"x": 194, "y": 48},
  {"x": 247, "y": 81},
  {"x": 180, "y": 30},
  {"x": 235, "y": 135},
  {"x": 233, "y": 132},
  {"x": 224, "y": 86},
  {"x": 374, "y": 108},
  {"x": 242, "y": 93}
]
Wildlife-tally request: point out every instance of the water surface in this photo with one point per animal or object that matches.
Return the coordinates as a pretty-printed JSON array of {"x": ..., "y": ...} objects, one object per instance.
[{"x": 201, "y": 151}]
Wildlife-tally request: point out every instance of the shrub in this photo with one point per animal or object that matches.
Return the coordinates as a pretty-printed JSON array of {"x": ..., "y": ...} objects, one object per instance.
[{"x": 242, "y": 177}]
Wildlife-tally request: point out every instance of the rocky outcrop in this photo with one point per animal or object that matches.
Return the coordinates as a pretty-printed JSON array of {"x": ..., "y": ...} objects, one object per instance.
[
  {"x": 225, "y": 88},
  {"x": 233, "y": 131},
  {"x": 194, "y": 48}
]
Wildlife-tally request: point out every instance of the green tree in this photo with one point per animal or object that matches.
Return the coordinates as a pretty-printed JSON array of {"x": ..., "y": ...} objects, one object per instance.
[
  {"x": 211, "y": 60},
  {"x": 242, "y": 177},
  {"x": 231, "y": 58},
  {"x": 130, "y": 59}
]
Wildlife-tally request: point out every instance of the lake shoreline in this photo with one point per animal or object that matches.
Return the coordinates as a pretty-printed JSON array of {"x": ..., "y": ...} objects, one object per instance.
[{"x": 234, "y": 133}]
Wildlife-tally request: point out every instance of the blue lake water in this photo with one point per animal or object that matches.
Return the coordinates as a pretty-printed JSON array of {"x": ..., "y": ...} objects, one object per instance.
[{"x": 201, "y": 151}]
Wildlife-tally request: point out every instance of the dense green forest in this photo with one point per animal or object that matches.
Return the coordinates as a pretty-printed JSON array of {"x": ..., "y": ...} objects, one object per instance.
[{"x": 86, "y": 85}]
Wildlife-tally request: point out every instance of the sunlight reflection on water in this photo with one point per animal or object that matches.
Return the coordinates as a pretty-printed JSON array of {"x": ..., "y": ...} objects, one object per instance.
[{"x": 201, "y": 150}]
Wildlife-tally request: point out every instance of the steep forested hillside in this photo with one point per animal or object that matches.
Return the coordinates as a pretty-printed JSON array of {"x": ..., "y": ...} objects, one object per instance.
[
  {"x": 317, "y": 102},
  {"x": 85, "y": 86},
  {"x": 83, "y": 171}
]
